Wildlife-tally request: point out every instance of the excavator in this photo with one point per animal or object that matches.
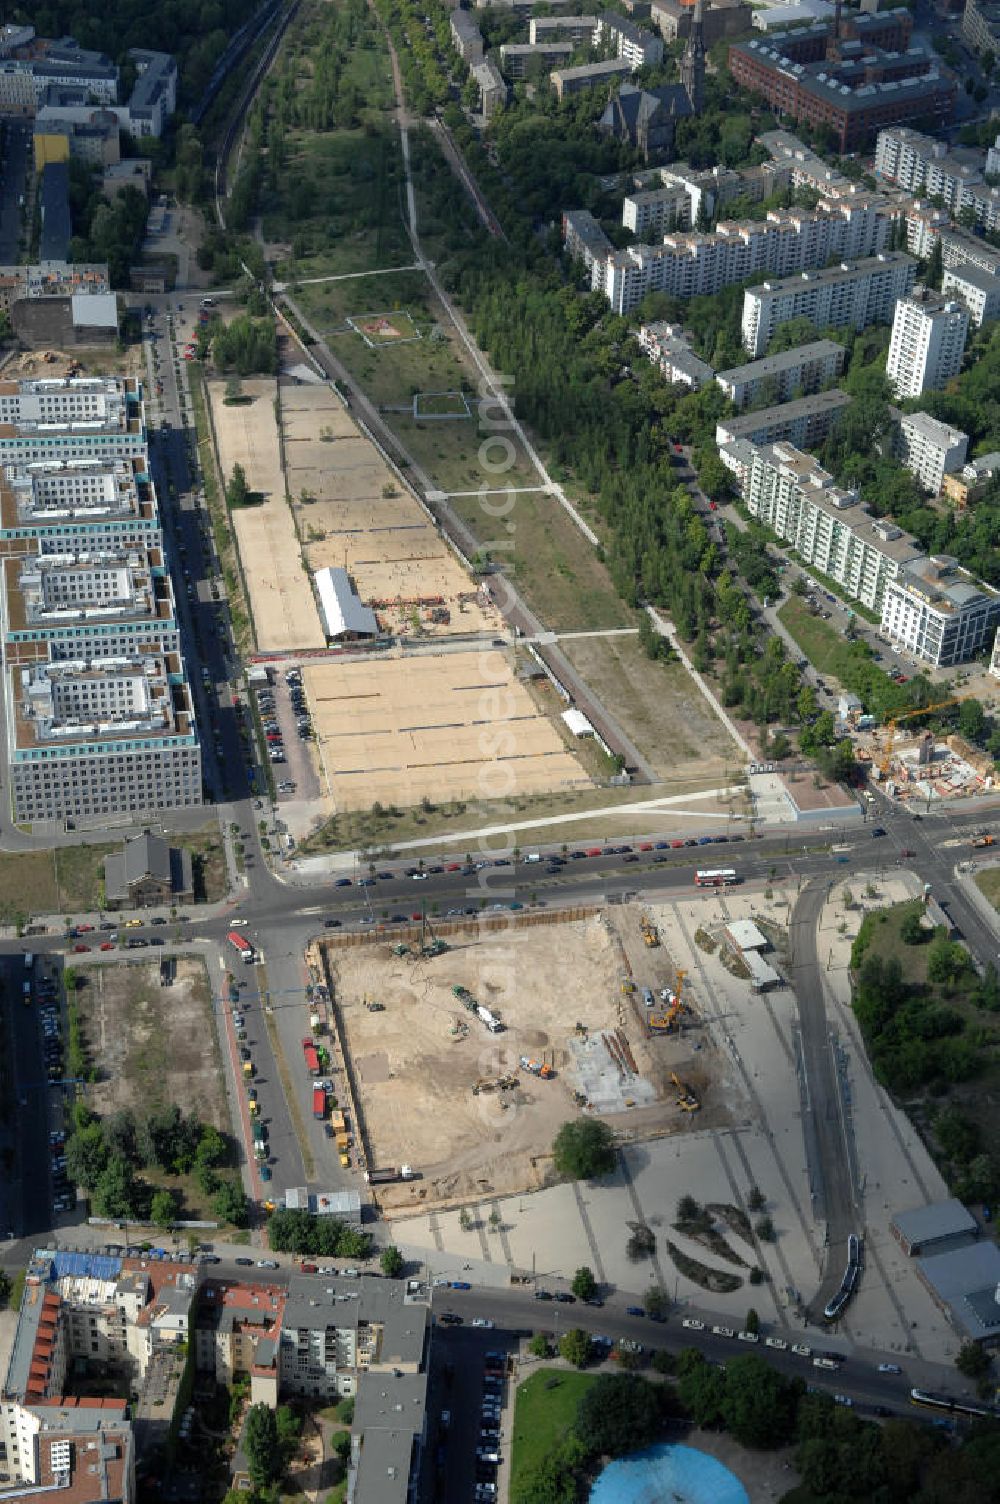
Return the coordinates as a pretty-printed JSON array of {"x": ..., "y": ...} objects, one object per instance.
[
  {"x": 686, "y": 1099},
  {"x": 667, "y": 1023}
]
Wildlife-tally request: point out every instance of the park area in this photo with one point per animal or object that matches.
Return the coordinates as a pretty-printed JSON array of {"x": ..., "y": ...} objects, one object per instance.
[
  {"x": 441, "y": 1091},
  {"x": 437, "y": 727}
]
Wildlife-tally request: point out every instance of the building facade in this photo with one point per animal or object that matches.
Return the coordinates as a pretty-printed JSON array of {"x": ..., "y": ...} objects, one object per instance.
[
  {"x": 777, "y": 378},
  {"x": 927, "y": 342},
  {"x": 670, "y": 351},
  {"x": 929, "y": 449},
  {"x": 803, "y": 422},
  {"x": 978, "y": 290},
  {"x": 853, "y": 295},
  {"x": 938, "y": 614}
]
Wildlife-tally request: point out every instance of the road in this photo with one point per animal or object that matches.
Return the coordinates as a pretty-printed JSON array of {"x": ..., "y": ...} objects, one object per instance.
[{"x": 16, "y": 146}]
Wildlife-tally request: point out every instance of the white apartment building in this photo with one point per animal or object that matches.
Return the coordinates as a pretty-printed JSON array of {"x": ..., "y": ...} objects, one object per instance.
[
  {"x": 670, "y": 351},
  {"x": 685, "y": 192},
  {"x": 584, "y": 239},
  {"x": 927, "y": 342},
  {"x": 776, "y": 378},
  {"x": 576, "y": 29},
  {"x": 516, "y": 58},
  {"x": 633, "y": 43},
  {"x": 922, "y": 164},
  {"x": 938, "y": 613},
  {"x": 929, "y": 449},
  {"x": 804, "y": 422},
  {"x": 828, "y": 527},
  {"x": 789, "y": 240},
  {"x": 979, "y": 291},
  {"x": 854, "y": 294}
]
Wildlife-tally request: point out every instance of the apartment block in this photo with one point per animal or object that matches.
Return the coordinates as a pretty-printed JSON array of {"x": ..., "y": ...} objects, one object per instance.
[
  {"x": 806, "y": 421},
  {"x": 579, "y": 30},
  {"x": 59, "y": 279},
  {"x": 959, "y": 248},
  {"x": 584, "y": 239},
  {"x": 978, "y": 290},
  {"x": 930, "y": 450},
  {"x": 567, "y": 81},
  {"x": 852, "y": 295},
  {"x": 981, "y": 25},
  {"x": 973, "y": 480},
  {"x": 77, "y": 506},
  {"x": 957, "y": 176},
  {"x": 776, "y": 378},
  {"x": 518, "y": 58},
  {"x": 466, "y": 37},
  {"x": 79, "y": 1309},
  {"x": 633, "y": 43},
  {"x": 938, "y": 613},
  {"x": 691, "y": 264},
  {"x": 927, "y": 342},
  {"x": 685, "y": 193},
  {"x": 670, "y": 351},
  {"x": 493, "y": 91},
  {"x": 829, "y": 528}
]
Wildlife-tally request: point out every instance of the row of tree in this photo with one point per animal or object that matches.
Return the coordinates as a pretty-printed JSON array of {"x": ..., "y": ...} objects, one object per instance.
[
  {"x": 105, "y": 1157},
  {"x": 322, "y": 1237}
]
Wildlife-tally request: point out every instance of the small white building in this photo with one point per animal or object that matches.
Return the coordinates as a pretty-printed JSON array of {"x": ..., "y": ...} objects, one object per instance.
[
  {"x": 930, "y": 450},
  {"x": 345, "y": 617},
  {"x": 576, "y": 722}
]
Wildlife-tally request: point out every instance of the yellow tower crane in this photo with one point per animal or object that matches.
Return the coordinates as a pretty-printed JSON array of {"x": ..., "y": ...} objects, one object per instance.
[{"x": 907, "y": 715}]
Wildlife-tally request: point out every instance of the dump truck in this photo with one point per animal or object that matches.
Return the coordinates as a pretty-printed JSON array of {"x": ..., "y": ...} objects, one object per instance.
[
  {"x": 311, "y": 1057},
  {"x": 242, "y": 946},
  {"x": 489, "y": 1019},
  {"x": 389, "y": 1174},
  {"x": 319, "y": 1103},
  {"x": 537, "y": 1068},
  {"x": 983, "y": 840}
]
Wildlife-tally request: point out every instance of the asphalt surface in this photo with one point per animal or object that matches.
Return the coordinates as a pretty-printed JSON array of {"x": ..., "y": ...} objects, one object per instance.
[{"x": 15, "y": 147}]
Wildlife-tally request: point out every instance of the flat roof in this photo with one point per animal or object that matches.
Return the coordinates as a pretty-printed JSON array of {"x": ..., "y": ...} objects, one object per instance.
[
  {"x": 770, "y": 417},
  {"x": 787, "y": 360},
  {"x": 94, "y": 310},
  {"x": 966, "y": 1280},
  {"x": 863, "y": 267},
  {"x": 936, "y": 1219},
  {"x": 747, "y": 935},
  {"x": 933, "y": 430}
]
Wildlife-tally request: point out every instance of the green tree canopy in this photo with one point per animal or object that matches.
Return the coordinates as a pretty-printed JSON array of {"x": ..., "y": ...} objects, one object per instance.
[
  {"x": 261, "y": 1446},
  {"x": 584, "y": 1284},
  {"x": 584, "y": 1149},
  {"x": 618, "y": 1414},
  {"x": 574, "y": 1347}
]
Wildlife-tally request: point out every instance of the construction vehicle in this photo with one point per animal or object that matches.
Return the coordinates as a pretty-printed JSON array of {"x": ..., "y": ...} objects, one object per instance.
[
  {"x": 490, "y": 1019},
  {"x": 686, "y": 1098},
  {"x": 906, "y": 715},
  {"x": 666, "y": 1023},
  {"x": 627, "y": 985},
  {"x": 494, "y": 1083},
  {"x": 983, "y": 840},
  {"x": 389, "y": 1174},
  {"x": 650, "y": 934},
  {"x": 374, "y": 1007},
  {"x": 538, "y": 1068},
  {"x": 319, "y": 1103}
]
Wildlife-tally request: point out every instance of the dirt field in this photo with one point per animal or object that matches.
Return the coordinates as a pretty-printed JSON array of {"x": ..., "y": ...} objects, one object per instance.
[
  {"x": 657, "y": 706},
  {"x": 416, "y": 1078},
  {"x": 353, "y": 513},
  {"x": 283, "y": 606},
  {"x": 152, "y": 1045},
  {"x": 454, "y": 726}
]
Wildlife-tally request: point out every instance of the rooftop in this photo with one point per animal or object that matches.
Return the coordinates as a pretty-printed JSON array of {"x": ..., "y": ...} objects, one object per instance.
[
  {"x": 66, "y": 703},
  {"x": 607, "y": 69},
  {"x": 844, "y": 272},
  {"x": 931, "y": 429},
  {"x": 772, "y": 365},
  {"x": 938, "y": 1219},
  {"x": 786, "y": 412},
  {"x": 967, "y": 1280}
]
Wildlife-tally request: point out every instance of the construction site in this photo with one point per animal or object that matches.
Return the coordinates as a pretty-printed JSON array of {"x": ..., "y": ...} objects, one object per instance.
[
  {"x": 919, "y": 767},
  {"x": 467, "y": 1058}
]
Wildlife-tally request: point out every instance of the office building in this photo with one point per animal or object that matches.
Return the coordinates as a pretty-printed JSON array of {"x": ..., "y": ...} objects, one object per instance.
[
  {"x": 978, "y": 290},
  {"x": 777, "y": 378},
  {"x": 77, "y": 507},
  {"x": 519, "y": 59},
  {"x": 927, "y": 342},
  {"x": 853, "y": 84},
  {"x": 806, "y": 421},
  {"x": 641, "y": 48},
  {"x": 567, "y": 81},
  {"x": 828, "y": 527},
  {"x": 670, "y": 351},
  {"x": 937, "y": 613},
  {"x": 929, "y": 449},
  {"x": 852, "y": 295},
  {"x": 973, "y": 480},
  {"x": 696, "y": 264}
]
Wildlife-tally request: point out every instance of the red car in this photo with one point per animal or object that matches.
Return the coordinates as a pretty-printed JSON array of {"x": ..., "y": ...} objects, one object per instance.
[
  {"x": 107, "y": 945},
  {"x": 454, "y": 867},
  {"x": 84, "y": 929},
  {"x": 713, "y": 506},
  {"x": 416, "y": 916},
  {"x": 646, "y": 846},
  {"x": 81, "y": 948}
]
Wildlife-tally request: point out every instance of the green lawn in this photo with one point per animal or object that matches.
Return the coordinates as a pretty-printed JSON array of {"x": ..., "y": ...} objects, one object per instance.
[
  {"x": 826, "y": 650},
  {"x": 544, "y": 1411}
]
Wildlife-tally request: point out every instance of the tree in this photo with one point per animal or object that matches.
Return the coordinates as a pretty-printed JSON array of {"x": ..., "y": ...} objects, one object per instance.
[
  {"x": 701, "y": 1387},
  {"x": 238, "y": 490},
  {"x": 538, "y": 1347},
  {"x": 656, "y": 1300},
  {"x": 972, "y": 1361},
  {"x": 116, "y": 1193},
  {"x": 261, "y": 1446},
  {"x": 752, "y": 1323},
  {"x": 584, "y": 1149},
  {"x": 87, "y": 1156},
  {"x": 765, "y": 1229},
  {"x": 392, "y": 1261},
  {"x": 163, "y": 1208},
  {"x": 947, "y": 961},
  {"x": 911, "y": 931},
  {"x": 618, "y": 1414},
  {"x": 758, "y": 1403},
  {"x": 230, "y": 1203},
  {"x": 575, "y": 1347},
  {"x": 584, "y": 1285}
]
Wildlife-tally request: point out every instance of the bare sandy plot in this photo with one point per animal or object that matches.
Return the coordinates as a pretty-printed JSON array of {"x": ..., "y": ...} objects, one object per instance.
[
  {"x": 284, "y": 610},
  {"x": 354, "y": 514},
  {"x": 418, "y": 1061},
  {"x": 454, "y": 726}
]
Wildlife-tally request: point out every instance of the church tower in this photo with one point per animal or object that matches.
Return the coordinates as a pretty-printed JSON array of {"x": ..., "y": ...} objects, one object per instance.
[{"x": 692, "y": 65}]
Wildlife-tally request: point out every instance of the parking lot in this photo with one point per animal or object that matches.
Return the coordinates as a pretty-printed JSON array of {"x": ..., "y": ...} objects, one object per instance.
[
  {"x": 471, "y": 1377},
  {"x": 287, "y": 724},
  {"x": 47, "y": 994}
]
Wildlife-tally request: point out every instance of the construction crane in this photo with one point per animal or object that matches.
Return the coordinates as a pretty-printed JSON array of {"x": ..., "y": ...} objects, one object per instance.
[{"x": 906, "y": 715}]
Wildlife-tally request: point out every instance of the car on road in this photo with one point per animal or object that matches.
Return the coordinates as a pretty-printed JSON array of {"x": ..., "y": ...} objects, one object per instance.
[
  {"x": 107, "y": 945},
  {"x": 801, "y": 1350},
  {"x": 343, "y": 882},
  {"x": 723, "y": 1331},
  {"x": 564, "y": 1298},
  {"x": 331, "y": 924},
  {"x": 483, "y": 1321},
  {"x": 889, "y": 1368},
  {"x": 876, "y": 832},
  {"x": 778, "y": 1343},
  {"x": 634, "y": 1311},
  {"x": 79, "y": 949},
  {"x": 448, "y": 1318},
  {"x": 543, "y": 1295},
  {"x": 244, "y": 1263},
  {"x": 267, "y": 1264},
  {"x": 460, "y": 1284}
]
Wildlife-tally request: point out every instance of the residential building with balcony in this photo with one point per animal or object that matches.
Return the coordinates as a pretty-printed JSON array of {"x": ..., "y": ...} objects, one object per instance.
[
  {"x": 852, "y": 295},
  {"x": 930, "y": 450},
  {"x": 804, "y": 421},
  {"x": 670, "y": 351},
  {"x": 978, "y": 290},
  {"x": 927, "y": 342},
  {"x": 638, "y": 46},
  {"x": 777, "y": 378},
  {"x": 938, "y": 614}
]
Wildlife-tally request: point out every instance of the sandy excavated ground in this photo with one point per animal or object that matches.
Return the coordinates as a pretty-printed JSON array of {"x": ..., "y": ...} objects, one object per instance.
[
  {"x": 450, "y": 726},
  {"x": 285, "y": 615},
  {"x": 416, "y": 1078}
]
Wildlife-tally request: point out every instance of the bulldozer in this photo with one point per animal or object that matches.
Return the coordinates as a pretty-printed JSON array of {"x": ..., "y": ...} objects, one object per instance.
[
  {"x": 686, "y": 1098},
  {"x": 494, "y": 1083},
  {"x": 650, "y": 934}
]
